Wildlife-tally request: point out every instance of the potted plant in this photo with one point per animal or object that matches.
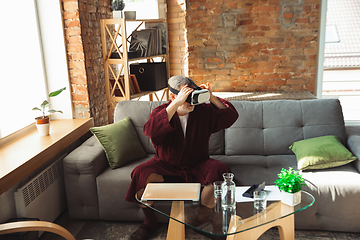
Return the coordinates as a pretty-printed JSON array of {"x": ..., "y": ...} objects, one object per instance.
[
  {"x": 43, "y": 122},
  {"x": 290, "y": 183},
  {"x": 117, "y": 6}
]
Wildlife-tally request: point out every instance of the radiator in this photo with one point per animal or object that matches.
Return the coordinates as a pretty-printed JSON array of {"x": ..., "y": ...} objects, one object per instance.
[{"x": 43, "y": 197}]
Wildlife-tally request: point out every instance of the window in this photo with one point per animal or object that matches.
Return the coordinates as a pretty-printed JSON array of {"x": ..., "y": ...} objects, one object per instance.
[
  {"x": 22, "y": 81},
  {"x": 341, "y": 66},
  {"x": 331, "y": 34},
  {"x": 36, "y": 63},
  {"x": 145, "y": 9}
]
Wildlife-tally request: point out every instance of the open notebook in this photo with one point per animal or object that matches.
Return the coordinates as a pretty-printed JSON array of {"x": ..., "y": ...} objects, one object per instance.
[{"x": 172, "y": 191}]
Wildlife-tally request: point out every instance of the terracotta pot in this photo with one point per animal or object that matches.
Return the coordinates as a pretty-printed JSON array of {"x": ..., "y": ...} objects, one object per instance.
[{"x": 42, "y": 120}]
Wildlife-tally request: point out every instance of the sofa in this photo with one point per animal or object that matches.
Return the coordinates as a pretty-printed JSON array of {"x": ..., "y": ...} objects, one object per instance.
[{"x": 255, "y": 147}]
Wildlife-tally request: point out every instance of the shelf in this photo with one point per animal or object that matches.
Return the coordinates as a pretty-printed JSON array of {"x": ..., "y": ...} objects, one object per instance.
[
  {"x": 121, "y": 60},
  {"x": 144, "y": 93},
  {"x": 146, "y": 20},
  {"x": 138, "y": 95},
  {"x": 118, "y": 20},
  {"x": 24, "y": 155},
  {"x": 114, "y": 34}
]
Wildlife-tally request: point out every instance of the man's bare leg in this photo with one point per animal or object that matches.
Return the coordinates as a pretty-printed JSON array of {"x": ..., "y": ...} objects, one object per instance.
[
  {"x": 147, "y": 229},
  {"x": 154, "y": 177},
  {"x": 207, "y": 196}
]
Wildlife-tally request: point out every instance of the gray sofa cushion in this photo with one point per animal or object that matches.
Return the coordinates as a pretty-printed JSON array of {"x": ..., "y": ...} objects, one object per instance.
[
  {"x": 336, "y": 191},
  {"x": 139, "y": 113},
  {"x": 270, "y": 127},
  {"x": 112, "y": 186},
  {"x": 252, "y": 169},
  {"x": 81, "y": 167}
]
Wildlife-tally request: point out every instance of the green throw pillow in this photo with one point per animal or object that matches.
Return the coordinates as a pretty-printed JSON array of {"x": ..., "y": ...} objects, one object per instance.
[
  {"x": 120, "y": 142},
  {"x": 321, "y": 152}
]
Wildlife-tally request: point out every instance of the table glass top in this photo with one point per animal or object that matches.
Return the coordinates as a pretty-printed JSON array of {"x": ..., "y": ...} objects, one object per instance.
[{"x": 218, "y": 222}]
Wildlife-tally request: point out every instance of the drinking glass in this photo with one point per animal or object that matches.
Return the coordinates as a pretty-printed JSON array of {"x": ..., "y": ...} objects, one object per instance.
[
  {"x": 217, "y": 194},
  {"x": 260, "y": 200}
]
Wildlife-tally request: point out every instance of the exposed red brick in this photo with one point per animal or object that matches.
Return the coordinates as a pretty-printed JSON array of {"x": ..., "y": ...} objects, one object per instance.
[
  {"x": 274, "y": 83},
  {"x": 259, "y": 45},
  {"x": 302, "y": 20},
  {"x": 72, "y": 23},
  {"x": 74, "y": 47},
  {"x": 264, "y": 9},
  {"x": 76, "y": 64},
  {"x": 71, "y": 15},
  {"x": 82, "y": 34},
  {"x": 80, "y": 97},
  {"x": 81, "y": 80},
  {"x": 262, "y": 70},
  {"x": 278, "y": 58},
  {"x": 288, "y": 15},
  {"x": 70, "y": 6}
]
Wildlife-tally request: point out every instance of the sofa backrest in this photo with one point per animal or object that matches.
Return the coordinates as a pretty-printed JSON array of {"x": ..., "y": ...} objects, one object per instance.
[
  {"x": 270, "y": 127},
  {"x": 139, "y": 113},
  {"x": 263, "y": 127}
]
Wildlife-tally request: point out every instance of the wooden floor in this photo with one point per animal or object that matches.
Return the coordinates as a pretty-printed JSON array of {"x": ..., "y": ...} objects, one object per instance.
[{"x": 113, "y": 230}]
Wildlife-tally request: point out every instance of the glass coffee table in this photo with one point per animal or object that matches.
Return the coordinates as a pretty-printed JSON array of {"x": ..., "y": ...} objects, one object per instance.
[{"x": 243, "y": 223}]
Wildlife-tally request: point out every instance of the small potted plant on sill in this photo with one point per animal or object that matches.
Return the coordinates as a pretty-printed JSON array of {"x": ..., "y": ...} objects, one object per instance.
[
  {"x": 43, "y": 122},
  {"x": 290, "y": 183},
  {"x": 117, "y": 6}
]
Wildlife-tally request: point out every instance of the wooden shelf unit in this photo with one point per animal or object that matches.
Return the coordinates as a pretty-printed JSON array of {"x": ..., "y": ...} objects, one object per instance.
[{"x": 114, "y": 34}]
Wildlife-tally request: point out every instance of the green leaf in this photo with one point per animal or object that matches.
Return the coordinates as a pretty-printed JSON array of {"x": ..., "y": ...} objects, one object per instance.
[
  {"x": 44, "y": 104},
  {"x": 36, "y": 108},
  {"x": 57, "y": 92},
  {"x": 289, "y": 181},
  {"x": 54, "y": 111}
]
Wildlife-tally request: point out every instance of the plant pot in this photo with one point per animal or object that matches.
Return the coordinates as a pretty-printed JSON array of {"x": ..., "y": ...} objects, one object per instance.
[
  {"x": 291, "y": 199},
  {"x": 130, "y": 14},
  {"x": 43, "y": 129},
  {"x": 117, "y": 14},
  {"x": 43, "y": 125}
]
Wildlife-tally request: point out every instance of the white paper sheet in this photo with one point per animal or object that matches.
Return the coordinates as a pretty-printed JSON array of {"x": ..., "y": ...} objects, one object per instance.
[{"x": 273, "y": 194}]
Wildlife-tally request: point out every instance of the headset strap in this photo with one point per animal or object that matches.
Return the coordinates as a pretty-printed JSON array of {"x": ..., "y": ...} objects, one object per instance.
[
  {"x": 173, "y": 90},
  {"x": 196, "y": 87}
]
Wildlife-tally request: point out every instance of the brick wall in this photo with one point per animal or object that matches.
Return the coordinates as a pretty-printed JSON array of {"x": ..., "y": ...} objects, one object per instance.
[
  {"x": 176, "y": 10},
  {"x": 253, "y": 45},
  {"x": 84, "y": 52},
  {"x": 245, "y": 45}
]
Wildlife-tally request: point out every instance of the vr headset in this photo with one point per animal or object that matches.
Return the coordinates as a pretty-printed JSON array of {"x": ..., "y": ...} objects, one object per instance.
[{"x": 197, "y": 96}]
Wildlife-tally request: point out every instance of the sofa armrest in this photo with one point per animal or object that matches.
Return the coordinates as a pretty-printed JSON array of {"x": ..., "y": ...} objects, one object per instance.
[
  {"x": 81, "y": 167},
  {"x": 353, "y": 133}
]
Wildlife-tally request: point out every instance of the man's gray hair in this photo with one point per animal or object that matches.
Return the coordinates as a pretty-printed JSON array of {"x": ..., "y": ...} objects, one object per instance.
[{"x": 178, "y": 80}]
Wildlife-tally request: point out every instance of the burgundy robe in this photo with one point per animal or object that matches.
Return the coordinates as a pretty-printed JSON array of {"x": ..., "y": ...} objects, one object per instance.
[{"x": 185, "y": 156}]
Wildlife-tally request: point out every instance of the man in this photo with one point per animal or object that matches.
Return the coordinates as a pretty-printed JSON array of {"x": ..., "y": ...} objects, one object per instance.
[{"x": 180, "y": 133}]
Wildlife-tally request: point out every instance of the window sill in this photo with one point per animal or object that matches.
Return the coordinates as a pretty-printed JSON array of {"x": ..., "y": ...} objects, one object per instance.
[{"x": 22, "y": 156}]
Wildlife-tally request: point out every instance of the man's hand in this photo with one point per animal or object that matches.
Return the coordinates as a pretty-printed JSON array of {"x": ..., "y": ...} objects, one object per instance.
[
  {"x": 207, "y": 87},
  {"x": 178, "y": 100},
  {"x": 214, "y": 100},
  {"x": 182, "y": 95}
]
